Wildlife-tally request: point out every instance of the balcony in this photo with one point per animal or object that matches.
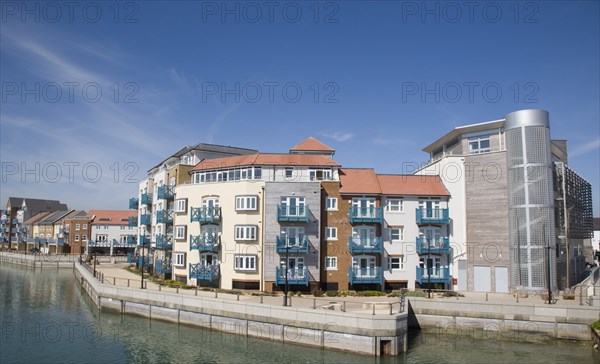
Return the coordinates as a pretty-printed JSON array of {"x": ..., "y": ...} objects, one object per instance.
[
  {"x": 366, "y": 215},
  {"x": 145, "y": 219},
  {"x": 162, "y": 266},
  {"x": 205, "y": 243},
  {"x": 294, "y": 276},
  {"x": 205, "y": 214},
  {"x": 134, "y": 203},
  {"x": 143, "y": 240},
  {"x": 359, "y": 245},
  {"x": 433, "y": 246},
  {"x": 144, "y": 262},
  {"x": 53, "y": 241},
  {"x": 130, "y": 240},
  {"x": 164, "y": 217},
  {"x": 164, "y": 242},
  {"x": 132, "y": 222},
  {"x": 372, "y": 275},
  {"x": 292, "y": 244},
  {"x": 433, "y": 275},
  {"x": 100, "y": 243},
  {"x": 292, "y": 213},
  {"x": 146, "y": 199},
  {"x": 165, "y": 193},
  {"x": 432, "y": 216},
  {"x": 205, "y": 272}
]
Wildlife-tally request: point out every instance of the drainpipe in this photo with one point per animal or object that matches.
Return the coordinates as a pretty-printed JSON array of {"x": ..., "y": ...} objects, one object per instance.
[{"x": 262, "y": 249}]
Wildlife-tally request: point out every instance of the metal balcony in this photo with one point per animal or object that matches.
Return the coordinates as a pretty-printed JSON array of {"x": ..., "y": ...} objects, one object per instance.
[
  {"x": 146, "y": 199},
  {"x": 294, "y": 276},
  {"x": 205, "y": 243},
  {"x": 165, "y": 193},
  {"x": 292, "y": 213},
  {"x": 205, "y": 214},
  {"x": 366, "y": 245},
  {"x": 292, "y": 244},
  {"x": 134, "y": 203},
  {"x": 433, "y": 275},
  {"x": 164, "y": 217},
  {"x": 132, "y": 222},
  {"x": 164, "y": 242},
  {"x": 365, "y": 215},
  {"x": 372, "y": 275},
  {"x": 143, "y": 240},
  {"x": 205, "y": 272},
  {"x": 433, "y": 246},
  {"x": 432, "y": 216},
  {"x": 145, "y": 219},
  {"x": 162, "y": 266},
  {"x": 130, "y": 240}
]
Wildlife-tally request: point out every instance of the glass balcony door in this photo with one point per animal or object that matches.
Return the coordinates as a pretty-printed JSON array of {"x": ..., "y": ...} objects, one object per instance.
[
  {"x": 208, "y": 259},
  {"x": 294, "y": 267},
  {"x": 434, "y": 267},
  {"x": 210, "y": 232},
  {"x": 431, "y": 237},
  {"x": 293, "y": 206},
  {"x": 293, "y": 235},
  {"x": 364, "y": 236},
  {"x": 364, "y": 266},
  {"x": 364, "y": 207},
  {"x": 430, "y": 208}
]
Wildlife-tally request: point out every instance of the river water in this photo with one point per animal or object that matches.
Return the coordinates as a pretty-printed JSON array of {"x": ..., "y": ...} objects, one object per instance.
[{"x": 46, "y": 318}]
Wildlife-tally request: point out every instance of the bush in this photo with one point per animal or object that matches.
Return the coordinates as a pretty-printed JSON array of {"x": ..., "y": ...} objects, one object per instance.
[
  {"x": 332, "y": 294},
  {"x": 371, "y": 294},
  {"x": 415, "y": 294},
  {"x": 452, "y": 294},
  {"x": 596, "y": 325},
  {"x": 317, "y": 292}
]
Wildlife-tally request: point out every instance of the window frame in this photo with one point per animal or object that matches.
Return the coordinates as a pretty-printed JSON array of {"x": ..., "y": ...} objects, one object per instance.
[
  {"x": 334, "y": 206},
  {"x": 329, "y": 230},
  {"x": 388, "y": 204},
  {"x": 401, "y": 263},
  {"x": 245, "y": 232},
  {"x": 400, "y": 233},
  {"x": 240, "y": 262},
  {"x": 179, "y": 256},
  {"x": 243, "y": 201},
  {"x": 329, "y": 260},
  {"x": 177, "y": 205},
  {"x": 177, "y": 229},
  {"x": 478, "y": 140}
]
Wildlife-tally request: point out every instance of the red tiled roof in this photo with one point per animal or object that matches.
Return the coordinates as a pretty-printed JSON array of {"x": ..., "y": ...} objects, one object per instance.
[
  {"x": 412, "y": 185},
  {"x": 312, "y": 144},
  {"x": 114, "y": 217},
  {"x": 266, "y": 159},
  {"x": 362, "y": 180}
]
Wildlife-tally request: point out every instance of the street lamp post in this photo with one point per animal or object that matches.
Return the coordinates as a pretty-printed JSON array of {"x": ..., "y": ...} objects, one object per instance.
[
  {"x": 95, "y": 259},
  {"x": 547, "y": 264},
  {"x": 286, "y": 271},
  {"x": 428, "y": 269},
  {"x": 143, "y": 258}
]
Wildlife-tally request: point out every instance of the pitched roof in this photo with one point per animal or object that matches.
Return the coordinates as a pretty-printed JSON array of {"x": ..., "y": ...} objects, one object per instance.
[
  {"x": 111, "y": 217},
  {"x": 266, "y": 159},
  {"x": 359, "y": 180},
  {"x": 215, "y": 148},
  {"x": 53, "y": 217},
  {"x": 37, "y": 217},
  {"x": 412, "y": 185},
  {"x": 313, "y": 145},
  {"x": 37, "y": 205}
]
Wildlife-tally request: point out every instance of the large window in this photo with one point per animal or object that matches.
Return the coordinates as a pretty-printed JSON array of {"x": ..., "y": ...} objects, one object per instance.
[
  {"x": 320, "y": 174},
  {"x": 181, "y": 205},
  {"x": 179, "y": 259},
  {"x": 180, "y": 231},
  {"x": 394, "y": 205},
  {"x": 245, "y": 262},
  {"x": 246, "y": 203},
  {"x": 331, "y": 203},
  {"x": 479, "y": 145},
  {"x": 234, "y": 174},
  {"x": 331, "y": 233},
  {"x": 245, "y": 232},
  {"x": 397, "y": 234},
  {"x": 331, "y": 263},
  {"x": 396, "y": 262}
]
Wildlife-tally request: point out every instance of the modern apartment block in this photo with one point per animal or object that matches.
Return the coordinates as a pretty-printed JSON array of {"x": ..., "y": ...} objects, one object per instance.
[
  {"x": 78, "y": 230},
  {"x": 518, "y": 208},
  {"x": 110, "y": 232}
]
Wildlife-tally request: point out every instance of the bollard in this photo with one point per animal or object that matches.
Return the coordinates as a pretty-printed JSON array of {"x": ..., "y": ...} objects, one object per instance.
[
  {"x": 390, "y": 308},
  {"x": 160, "y": 287},
  {"x": 581, "y": 296},
  {"x": 216, "y": 293},
  {"x": 114, "y": 281},
  {"x": 486, "y": 297},
  {"x": 344, "y": 306},
  {"x": 261, "y": 298},
  {"x": 314, "y": 303},
  {"x": 177, "y": 289},
  {"x": 127, "y": 282},
  {"x": 373, "y": 309},
  {"x": 196, "y": 293},
  {"x": 238, "y": 296},
  {"x": 290, "y": 301},
  {"x": 517, "y": 297}
]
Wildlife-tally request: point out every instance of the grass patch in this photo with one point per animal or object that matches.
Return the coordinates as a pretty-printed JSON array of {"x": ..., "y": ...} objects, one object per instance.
[
  {"x": 415, "y": 294},
  {"x": 370, "y": 293},
  {"x": 596, "y": 325}
]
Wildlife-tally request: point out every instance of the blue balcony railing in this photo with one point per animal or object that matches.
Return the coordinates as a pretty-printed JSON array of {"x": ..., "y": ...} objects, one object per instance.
[
  {"x": 146, "y": 199},
  {"x": 130, "y": 258},
  {"x": 145, "y": 219},
  {"x": 134, "y": 203},
  {"x": 433, "y": 246},
  {"x": 130, "y": 240},
  {"x": 143, "y": 240},
  {"x": 145, "y": 262},
  {"x": 292, "y": 213},
  {"x": 205, "y": 272},
  {"x": 205, "y": 214},
  {"x": 162, "y": 266},
  {"x": 432, "y": 216},
  {"x": 164, "y": 242},
  {"x": 292, "y": 244},
  {"x": 165, "y": 192},
  {"x": 132, "y": 222},
  {"x": 371, "y": 275},
  {"x": 205, "y": 242},
  {"x": 164, "y": 217},
  {"x": 294, "y": 276},
  {"x": 433, "y": 275},
  {"x": 359, "y": 245},
  {"x": 366, "y": 215}
]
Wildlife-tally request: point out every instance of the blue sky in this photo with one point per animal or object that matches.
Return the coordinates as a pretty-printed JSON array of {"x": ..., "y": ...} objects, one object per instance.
[{"x": 95, "y": 94}]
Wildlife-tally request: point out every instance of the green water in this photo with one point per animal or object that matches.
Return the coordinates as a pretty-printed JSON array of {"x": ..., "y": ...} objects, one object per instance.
[{"x": 45, "y": 318}]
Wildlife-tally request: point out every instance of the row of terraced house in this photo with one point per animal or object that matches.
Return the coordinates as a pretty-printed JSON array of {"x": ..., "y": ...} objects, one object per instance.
[{"x": 469, "y": 219}]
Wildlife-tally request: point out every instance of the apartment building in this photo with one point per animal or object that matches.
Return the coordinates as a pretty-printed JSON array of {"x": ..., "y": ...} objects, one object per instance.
[
  {"x": 48, "y": 232},
  {"x": 77, "y": 230},
  {"x": 110, "y": 232},
  {"x": 515, "y": 204}
]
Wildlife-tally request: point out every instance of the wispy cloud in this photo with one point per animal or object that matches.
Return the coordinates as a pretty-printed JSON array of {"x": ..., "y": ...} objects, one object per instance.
[
  {"x": 338, "y": 136},
  {"x": 178, "y": 78},
  {"x": 585, "y": 148}
]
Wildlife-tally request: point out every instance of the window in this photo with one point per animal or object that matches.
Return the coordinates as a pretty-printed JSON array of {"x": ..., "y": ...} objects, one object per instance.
[
  {"x": 76, "y": 237},
  {"x": 180, "y": 231},
  {"x": 97, "y": 227},
  {"x": 397, "y": 234},
  {"x": 319, "y": 174},
  {"x": 179, "y": 259},
  {"x": 479, "y": 145},
  {"x": 105, "y": 227},
  {"x": 245, "y": 262},
  {"x": 181, "y": 205},
  {"x": 77, "y": 226},
  {"x": 235, "y": 174},
  {"x": 331, "y": 203},
  {"x": 246, "y": 203},
  {"x": 330, "y": 263},
  {"x": 289, "y": 172},
  {"x": 245, "y": 232},
  {"x": 122, "y": 227},
  {"x": 394, "y": 205},
  {"x": 84, "y": 237},
  {"x": 331, "y": 233},
  {"x": 84, "y": 226},
  {"x": 396, "y": 262}
]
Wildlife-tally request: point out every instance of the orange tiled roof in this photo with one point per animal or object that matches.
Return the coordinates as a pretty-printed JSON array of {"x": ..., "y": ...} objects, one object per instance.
[
  {"x": 114, "y": 217},
  {"x": 412, "y": 185},
  {"x": 359, "y": 180},
  {"x": 312, "y": 144},
  {"x": 266, "y": 159}
]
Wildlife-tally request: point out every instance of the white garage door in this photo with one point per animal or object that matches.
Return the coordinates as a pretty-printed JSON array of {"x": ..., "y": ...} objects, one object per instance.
[
  {"x": 482, "y": 278},
  {"x": 501, "y": 279}
]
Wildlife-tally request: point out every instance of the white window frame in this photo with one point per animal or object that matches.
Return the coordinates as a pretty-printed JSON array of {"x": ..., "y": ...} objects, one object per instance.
[
  {"x": 178, "y": 259},
  {"x": 246, "y": 203},
  {"x": 331, "y": 203},
  {"x": 180, "y": 232},
  {"x": 400, "y": 233},
  {"x": 401, "y": 263},
  {"x": 77, "y": 227},
  {"x": 291, "y": 172},
  {"x": 247, "y": 263},
  {"x": 246, "y": 232},
  {"x": 331, "y": 233},
  {"x": 181, "y": 205},
  {"x": 326, "y": 174},
  {"x": 77, "y": 237},
  {"x": 331, "y": 263},
  {"x": 389, "y": 205},
  {"x": 479, "y": 149},
  {"x": 84, "y": 226}
]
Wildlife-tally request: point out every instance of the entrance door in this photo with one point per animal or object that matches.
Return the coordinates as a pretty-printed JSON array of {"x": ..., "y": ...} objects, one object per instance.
[
  {"x": 482, "y": 279},
  {"x": 501, "y": 279}
]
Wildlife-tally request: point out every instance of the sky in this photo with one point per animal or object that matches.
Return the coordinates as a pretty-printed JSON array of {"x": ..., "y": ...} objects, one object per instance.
[{"x": 96, "y": 93}]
